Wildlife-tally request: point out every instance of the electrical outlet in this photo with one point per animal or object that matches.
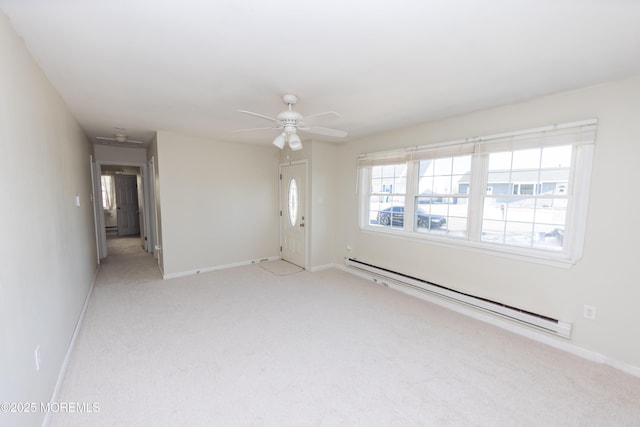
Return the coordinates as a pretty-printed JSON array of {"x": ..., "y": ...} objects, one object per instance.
[
  {"x": 36, "y": 354},
  {"x": 589, "y": 312}
]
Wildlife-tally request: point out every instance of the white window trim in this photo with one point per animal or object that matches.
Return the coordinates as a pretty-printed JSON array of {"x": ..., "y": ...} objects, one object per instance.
[{"x": 576, "y": 218}]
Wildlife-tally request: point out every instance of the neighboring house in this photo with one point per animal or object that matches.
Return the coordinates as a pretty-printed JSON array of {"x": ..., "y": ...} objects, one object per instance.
[{"x": 522, "y": 182}]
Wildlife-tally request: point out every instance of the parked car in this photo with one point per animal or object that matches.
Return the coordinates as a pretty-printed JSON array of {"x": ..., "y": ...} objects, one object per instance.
[{"x": 395, "y": 216}]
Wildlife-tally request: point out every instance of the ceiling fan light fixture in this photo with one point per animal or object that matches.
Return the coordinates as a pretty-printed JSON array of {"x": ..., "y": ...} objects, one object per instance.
[
  {"x": 279, "y": 140},
  {"x": 294, "y": 142}
]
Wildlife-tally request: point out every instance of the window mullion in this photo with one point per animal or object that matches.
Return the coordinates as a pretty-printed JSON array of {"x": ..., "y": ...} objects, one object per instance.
[
  {"x": 410, "y": 197},
  {"x": 477, "y": 191},
  {"x": 365, "y": 192}
]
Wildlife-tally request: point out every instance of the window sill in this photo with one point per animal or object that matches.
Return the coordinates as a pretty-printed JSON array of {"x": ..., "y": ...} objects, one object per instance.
[{"x": 535, "y": 256}]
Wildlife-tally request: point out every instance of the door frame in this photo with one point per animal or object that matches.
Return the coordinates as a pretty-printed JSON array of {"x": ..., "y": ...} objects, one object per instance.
[
  {"x": 147, "y": 203},
  {"x": 150, "y": 198},
  {"x": 95, "y": 195},
  {"x": 304, "y": 162}
]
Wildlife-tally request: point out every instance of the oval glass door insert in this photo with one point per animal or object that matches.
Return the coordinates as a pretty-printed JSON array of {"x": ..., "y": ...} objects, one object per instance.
[{"x": 293, "y": 202}]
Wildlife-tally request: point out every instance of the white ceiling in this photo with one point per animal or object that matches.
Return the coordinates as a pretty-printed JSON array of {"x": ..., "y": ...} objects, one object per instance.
[{"x": 187, "y": 65}]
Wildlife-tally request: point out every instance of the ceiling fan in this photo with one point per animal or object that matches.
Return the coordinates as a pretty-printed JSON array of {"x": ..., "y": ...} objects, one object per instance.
[
  {"x": 119, "y": 137},
  {"x": 290, "y": 122}
]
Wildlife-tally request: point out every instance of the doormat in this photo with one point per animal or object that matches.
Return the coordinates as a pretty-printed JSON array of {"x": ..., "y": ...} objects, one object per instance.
[{"x": 281, "y": 267}]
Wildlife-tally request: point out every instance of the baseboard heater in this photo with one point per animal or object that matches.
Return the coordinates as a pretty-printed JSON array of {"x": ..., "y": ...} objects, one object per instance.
[{"x": 538, "y": 321}]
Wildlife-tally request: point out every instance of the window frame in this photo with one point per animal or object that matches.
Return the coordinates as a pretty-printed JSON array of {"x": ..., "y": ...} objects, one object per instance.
[{"x": 577, "y": 199}]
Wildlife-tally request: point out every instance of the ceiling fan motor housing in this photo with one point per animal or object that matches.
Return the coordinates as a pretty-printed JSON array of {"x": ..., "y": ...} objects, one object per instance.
[{"x": 289, "y": 118}]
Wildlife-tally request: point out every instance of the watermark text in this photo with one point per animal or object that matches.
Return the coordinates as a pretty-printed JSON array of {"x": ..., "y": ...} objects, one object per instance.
[{"x": 54, "y": 407}]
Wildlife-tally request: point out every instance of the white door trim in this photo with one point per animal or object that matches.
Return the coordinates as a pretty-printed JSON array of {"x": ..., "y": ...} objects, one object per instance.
[
  {"x": 150, "y": 199},
  {"x": 96, "y": 192}
]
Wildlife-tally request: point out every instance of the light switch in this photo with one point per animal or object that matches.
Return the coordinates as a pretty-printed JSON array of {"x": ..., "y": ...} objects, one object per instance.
[{"x": 78, "y": 201}]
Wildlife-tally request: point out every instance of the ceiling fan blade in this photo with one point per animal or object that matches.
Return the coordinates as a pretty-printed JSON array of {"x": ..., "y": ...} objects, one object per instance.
[
  {"x": 262, "y": 116},
  {"x": 254, "y": 129},
  {"x": 105, "y": 138},
  {"x": 326, "y": 113},
  {"x": 319, "y": 130}
]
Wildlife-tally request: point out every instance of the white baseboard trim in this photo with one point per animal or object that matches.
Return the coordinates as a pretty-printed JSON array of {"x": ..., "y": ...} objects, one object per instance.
[
  {"x": 321, "y": 267},
  {"x": 217, "y": 267},
  {"x": 65, "y": 363},
  {"x": 561, "y": 344}
]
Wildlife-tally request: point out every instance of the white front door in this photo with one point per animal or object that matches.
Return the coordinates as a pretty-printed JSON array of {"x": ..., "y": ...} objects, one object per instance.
[{"x": 293, "y": 213}]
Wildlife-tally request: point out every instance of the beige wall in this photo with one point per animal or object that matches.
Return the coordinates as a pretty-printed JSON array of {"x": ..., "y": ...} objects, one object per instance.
[
  {"x": 606, "y": 277},
  {"x": 218, "y": 201},
  {"x": 324, "y": 211},
  {"x": 117, "y": 155},
  {"x": 48, "y": 248}
]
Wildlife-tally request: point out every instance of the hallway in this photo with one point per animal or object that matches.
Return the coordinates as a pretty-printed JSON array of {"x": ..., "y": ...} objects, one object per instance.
[
  {"x": 126, "y": 245},
  {"x": 127, "y": 263}
]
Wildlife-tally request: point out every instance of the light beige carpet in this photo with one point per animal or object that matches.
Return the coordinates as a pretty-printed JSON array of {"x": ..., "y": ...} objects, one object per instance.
[
  {"x": 124, "y": 245},
  {"x": 245, "y": 347},
  {"x": 280, "y": 267}
]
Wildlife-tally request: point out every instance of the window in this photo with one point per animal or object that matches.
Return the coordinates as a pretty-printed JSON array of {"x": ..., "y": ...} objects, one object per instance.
[
  {"x": 388, "y": 185},
  {"x": 442, "y": 199},
  {"x": 108, "y": 192},
  {"x": 533, "y": 214},
  {"x": 520, "y": 194}
]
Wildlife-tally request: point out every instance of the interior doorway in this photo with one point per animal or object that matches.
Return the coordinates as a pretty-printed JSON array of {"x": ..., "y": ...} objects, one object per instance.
[
  {"x": 127, "y": 205},
  {"x": 122, "y": 201}
]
